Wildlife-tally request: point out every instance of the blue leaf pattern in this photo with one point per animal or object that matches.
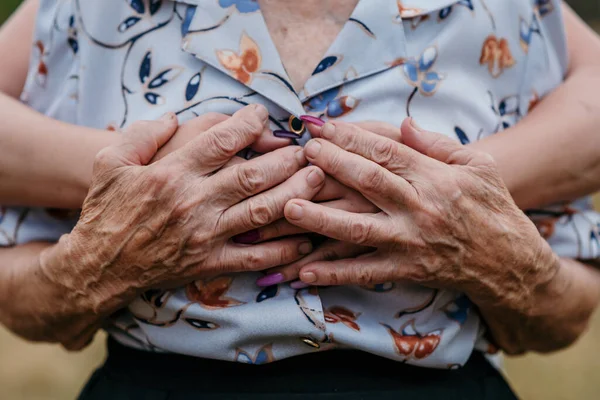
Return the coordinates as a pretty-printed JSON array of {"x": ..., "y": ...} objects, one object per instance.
[
  {"x": 462, "y": 136},
  {"x": 153, "y": 98},
  {"x": 160, "y": 79},
  {"x": 128, "y": 23},
  {"x": 193, "y": 86},
  {"x": 267, "y": 293},
  {"x": 138, "y": 6},
  {"x": 187, "y": 20},
  {"x": 145, "y": 67},
  {"x": 200, "y": 324},
  {"x": 326, "y": 63},
  {"x": 155, "y": 6}
]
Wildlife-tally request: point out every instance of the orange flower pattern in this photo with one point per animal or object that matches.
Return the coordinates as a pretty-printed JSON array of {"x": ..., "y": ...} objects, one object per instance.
[
  {"x": 415, "y": 344},
  {"x": 340, "y": 314},
  {"x": 243, "y": 64},
  {"x": 496, "y": 54},
  {"x": 211, "y": 293}
]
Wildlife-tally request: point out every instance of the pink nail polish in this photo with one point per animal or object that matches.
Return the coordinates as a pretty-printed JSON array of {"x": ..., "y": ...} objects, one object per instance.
[
  {"x": 269, "y": 280},
  {"x": 299, "y": 285},
  {"x": 312, "y": 120},
  {"x": 247, "y": 238}
]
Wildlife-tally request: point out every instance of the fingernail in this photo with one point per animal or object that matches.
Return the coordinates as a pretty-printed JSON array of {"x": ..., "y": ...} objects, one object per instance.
[
  {"x": 305, "y": 248},
  {"x": 285, "y": 134},
  {"x": 295, "y": 211},
  {"x": 312, "y": 120},
  {"x": 299, "y": 285},
  {"x": 413, "y": 123},
  {"x": 308, "y": 277},
  {"x": 167, "y": 116},
  {"x": 247, "y": 237},
  {"x": 270, "y": 280},
  {"x": 315, "y": 178},
  {"x": 328, "y": 131},
  {"x": 300, "y": 156},
  {"x": 261, "y": 111},
  {"x": 312, "y": 149}
]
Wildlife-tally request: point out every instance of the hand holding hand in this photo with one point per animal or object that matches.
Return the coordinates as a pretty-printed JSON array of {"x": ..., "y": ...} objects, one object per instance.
[
  {"x": 447, "y": 219},
  {"x": 169, "y": 223}
]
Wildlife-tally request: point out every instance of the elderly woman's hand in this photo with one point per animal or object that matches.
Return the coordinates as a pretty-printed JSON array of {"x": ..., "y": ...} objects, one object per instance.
[
  {"x": 447, "y": 220},
  {"x": 189, "y": 130},
  {"x": 333, "y": 195},
  {"x": 169, "y": 223}
]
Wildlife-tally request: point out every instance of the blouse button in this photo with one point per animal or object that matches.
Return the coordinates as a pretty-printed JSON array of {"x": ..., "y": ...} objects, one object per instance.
[
  {"x": 310, "y": 342},
  {"x": 296, "y": 125}
]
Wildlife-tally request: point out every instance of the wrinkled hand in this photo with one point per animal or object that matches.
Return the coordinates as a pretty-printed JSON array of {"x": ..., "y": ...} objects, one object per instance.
[
  {"x": 447, "y": 220},
  {"x": 189, "y": 130},
  {"x": 169, "y": 223},
  {"x": 333, "y": 195}
]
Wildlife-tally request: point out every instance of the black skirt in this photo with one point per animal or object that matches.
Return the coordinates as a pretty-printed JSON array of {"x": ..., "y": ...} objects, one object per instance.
[{"x": 340, "y": 374}]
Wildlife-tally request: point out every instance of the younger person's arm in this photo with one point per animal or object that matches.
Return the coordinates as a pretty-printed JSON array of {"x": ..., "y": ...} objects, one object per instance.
[{"x": 553, "y": 154}]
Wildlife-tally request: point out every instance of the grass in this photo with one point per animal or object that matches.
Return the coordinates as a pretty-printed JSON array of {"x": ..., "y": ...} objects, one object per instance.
[
  {"x": 6, "y": 7},
  {"x": 44, "y": 372}
]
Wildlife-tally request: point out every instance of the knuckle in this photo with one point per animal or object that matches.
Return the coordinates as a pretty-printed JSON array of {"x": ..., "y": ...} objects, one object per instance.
[
  {"x": 408, "y": 162},
  {"x": 329, "y": 255},
  {"x": 286, "y": 254},
  {"x": 333, "y": 278},
  {"x": 252, "y": 124},
  {"x": 260, "y": 212},
  {"x": 250, "y": 178},
  {"x": 364, "y": 276},
  {"x": 360, "y": 232},
  {"x": 346, "y": 135},
  {"x": 289, "y": 162},
  {"x": 384, "y": 152},
  {"x": 371, "y": 179},
  {"x": 255, "y": 261},
  {"x": 104, "y": 158},
  {"x": 320, "y": 222},
  {"x": 334, "y": 162},
  {"x": 224, "y": 143}
]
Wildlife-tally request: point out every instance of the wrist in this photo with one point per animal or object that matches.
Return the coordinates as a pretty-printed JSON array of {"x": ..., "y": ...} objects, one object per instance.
[
  {"x": 73, "y": 267},
  {"x": 91, "y": 141}
]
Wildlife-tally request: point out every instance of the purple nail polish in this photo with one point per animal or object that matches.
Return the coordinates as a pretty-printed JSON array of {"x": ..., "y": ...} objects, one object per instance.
[
  {"x": 285, "y": 134},
  {"x": 312, "y": 120},
  {"x": 269, "y": 280},
  {"x": 247, "y": 238},
  {"x": 299, "y": 285}
]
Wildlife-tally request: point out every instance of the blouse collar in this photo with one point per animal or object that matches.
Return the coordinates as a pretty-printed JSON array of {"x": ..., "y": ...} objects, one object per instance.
[{"x": 232, "y": 36}]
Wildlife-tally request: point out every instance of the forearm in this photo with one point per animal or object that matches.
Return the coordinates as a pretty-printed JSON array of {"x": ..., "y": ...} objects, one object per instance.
[
  {"x": 555, "y": 315},
  {"x": 37, "y": 307},
  {"x": 16, "y": 38},
  {"x": 45, "y": 162},
  {"x": 557, "y": 157},
  {"x": 557, "y": 153}
]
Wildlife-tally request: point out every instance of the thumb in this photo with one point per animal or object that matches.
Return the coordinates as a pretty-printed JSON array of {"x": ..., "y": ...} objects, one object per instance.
[
  {"x": 435, "y": 145},
  {"x": 143, "y": 139}
]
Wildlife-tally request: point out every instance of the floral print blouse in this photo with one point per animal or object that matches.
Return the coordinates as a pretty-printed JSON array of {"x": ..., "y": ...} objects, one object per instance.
[{"x": 466, "y": 68}]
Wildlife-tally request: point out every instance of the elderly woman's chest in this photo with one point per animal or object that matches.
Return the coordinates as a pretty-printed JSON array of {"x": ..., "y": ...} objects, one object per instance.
[{"x": 461, "y": 79}]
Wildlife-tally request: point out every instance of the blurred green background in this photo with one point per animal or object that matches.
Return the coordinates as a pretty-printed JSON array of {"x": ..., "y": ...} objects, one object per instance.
[{"x": 43, "y": 372}]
